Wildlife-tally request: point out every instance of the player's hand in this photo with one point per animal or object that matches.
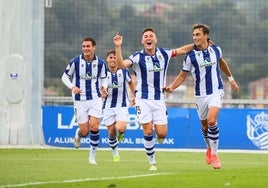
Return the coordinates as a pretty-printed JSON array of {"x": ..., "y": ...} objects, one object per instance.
[
  {"x": 132, "y": 101},
  {"x": 168, "y": 89},
  {"x": 76, "y": 90},
  {"x": 234, "y": 85},
  {"x": 210, "y": 42},
  {"x": 118, "y": 39},
  {"x": 104, "y": 92}
]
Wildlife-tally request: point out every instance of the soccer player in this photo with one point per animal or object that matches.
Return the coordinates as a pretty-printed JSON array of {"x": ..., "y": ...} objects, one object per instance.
[
  {"x": 150, "y": 66},
  {"x": 205, "y": 63},
  {"x": 88, "y": 73},
  {"x": 120, "y": 89}
]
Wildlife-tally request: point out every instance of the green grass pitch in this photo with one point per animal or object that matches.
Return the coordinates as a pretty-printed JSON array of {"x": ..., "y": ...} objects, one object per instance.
[{"x": 69, "y": 168}]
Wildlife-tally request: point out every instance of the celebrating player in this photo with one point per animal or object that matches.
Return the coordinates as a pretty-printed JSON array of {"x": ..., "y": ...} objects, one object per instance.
[
  {"x": 88, "y": 84},
  {"x": 150, "y": 66},
  {"x": 205, "y": 63},
  {"x": 115, "y": 106}
]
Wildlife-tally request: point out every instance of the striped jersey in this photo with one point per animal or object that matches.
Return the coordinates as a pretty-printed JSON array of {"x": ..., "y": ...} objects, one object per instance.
[
  {"x": 151, "y": 73},
  {"x": 204, "y": 67},
  {"x": 87, "y": 76},
  {"x": 117, "y": 89}
]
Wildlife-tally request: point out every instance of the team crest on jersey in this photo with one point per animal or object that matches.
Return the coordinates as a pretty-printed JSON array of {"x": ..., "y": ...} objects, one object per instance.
[
  {"x": 94, "y": 65},
  {"x": 160, "y": 57},
  {"x": 210, "y": 50},
  {"x": 257, "y": 130}
]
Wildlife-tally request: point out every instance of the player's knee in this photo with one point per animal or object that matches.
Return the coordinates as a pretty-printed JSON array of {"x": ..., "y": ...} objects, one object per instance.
[
  {"x": 212, "y": 122},
  {"x": 161, "y": 134},
  {"x": 84, "y": 132}
]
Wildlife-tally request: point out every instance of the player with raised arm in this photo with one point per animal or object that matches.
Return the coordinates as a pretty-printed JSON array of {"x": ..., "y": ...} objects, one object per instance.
[{"x": 150, "y": 66}]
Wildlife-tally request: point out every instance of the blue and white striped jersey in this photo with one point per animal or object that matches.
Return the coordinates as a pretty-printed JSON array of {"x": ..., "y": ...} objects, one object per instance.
[
  {"x": 87, "y": 76},
  {"x": 151, "y": 73},
  {"x": 204, "y": 67},
  {"x": 117, "y": 91}
]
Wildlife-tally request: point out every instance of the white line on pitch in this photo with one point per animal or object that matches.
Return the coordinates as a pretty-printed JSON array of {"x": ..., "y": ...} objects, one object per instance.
[{"x": 82, "y": 180}]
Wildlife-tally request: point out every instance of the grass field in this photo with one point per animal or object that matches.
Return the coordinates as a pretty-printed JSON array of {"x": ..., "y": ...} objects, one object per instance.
[{"x": 70, "y": 168}]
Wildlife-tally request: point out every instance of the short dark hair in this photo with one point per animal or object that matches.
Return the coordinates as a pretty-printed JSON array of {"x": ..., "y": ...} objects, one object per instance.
[
  {"x": 91, "y": 40},
  {"x": 148, "y": 29},
  {"x": 111, "y": 52},
  {"x": 205, "y": 28}
]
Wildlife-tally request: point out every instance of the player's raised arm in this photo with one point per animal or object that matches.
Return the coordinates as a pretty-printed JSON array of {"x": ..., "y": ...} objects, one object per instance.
[
  {"x": 121, "y": 63},
  {"x": 183, "y": 49}
]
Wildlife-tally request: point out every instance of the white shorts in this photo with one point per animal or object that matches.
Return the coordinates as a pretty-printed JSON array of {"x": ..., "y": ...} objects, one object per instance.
[
  {"x": 111, "y": 115},
  {"x": 151, "y": 110},
  {"x": 204, "y": 103},
  {"x": 84, "y": 109}
]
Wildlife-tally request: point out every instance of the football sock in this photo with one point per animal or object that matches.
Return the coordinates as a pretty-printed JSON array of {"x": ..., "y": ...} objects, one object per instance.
[
  {"x": 213, "y": 135},
  {"x": 114, "y": 145},
  {"x": 94, "y": 142},
  {"x": 205, "y": 137},
  {"x": 149, "y": 148},
  {"x": 79, "y": 134}
]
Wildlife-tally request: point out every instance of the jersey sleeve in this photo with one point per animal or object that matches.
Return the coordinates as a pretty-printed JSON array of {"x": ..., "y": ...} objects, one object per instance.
[
  {"x": 128, "y": 77},
  {"x": 66, "y": 80},
  {"x": 187, "y": 65},
  {"x": 69, "y": 71},
  {"x": 103, "y": 76},
  {"x": 70, "y": 68},
  {"x": 220, "y": 52},
  {"x": 103, "y": 73},
  {"x": 134, "y": 58},
  {"x": 170, "y": 52}
]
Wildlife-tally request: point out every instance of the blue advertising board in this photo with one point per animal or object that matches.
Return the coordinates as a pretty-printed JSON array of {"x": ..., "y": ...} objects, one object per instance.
[{"x": 239, "y": 129}]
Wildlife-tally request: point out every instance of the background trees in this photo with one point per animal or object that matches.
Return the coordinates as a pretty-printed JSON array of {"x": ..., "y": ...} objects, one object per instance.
[{"x": 238, "y": 27}]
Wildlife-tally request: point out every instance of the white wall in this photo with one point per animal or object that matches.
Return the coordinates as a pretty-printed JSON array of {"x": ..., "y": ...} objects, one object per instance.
[{"x": 21, "y": 71}]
